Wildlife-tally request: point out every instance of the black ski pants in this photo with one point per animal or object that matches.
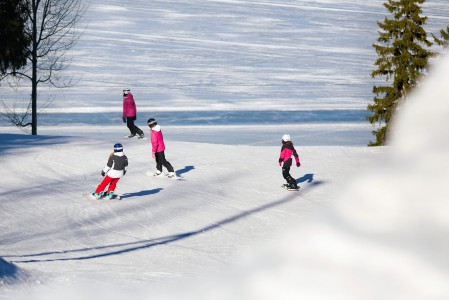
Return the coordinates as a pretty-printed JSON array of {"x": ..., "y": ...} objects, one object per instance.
[
  {"x": 161, "y": 161},
  {"x": 133, "y": 128},
  {"x": 286, "y": 172}
]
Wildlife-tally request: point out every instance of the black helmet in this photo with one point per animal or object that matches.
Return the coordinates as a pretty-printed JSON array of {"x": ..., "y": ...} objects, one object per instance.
[
  {"x": 151, "y": 122},
  {"x": 118, "y": 147}
]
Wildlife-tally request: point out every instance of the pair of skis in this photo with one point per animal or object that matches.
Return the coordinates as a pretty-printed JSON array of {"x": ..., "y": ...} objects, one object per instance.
[
  {"x": 117, "y": 197},
  {"x": 176, "y": 177},
  {"x": 103, "y": 196}
]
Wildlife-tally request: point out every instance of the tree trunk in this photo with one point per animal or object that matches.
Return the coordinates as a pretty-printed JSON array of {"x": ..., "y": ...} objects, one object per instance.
[{"x": 34, "y": 74}]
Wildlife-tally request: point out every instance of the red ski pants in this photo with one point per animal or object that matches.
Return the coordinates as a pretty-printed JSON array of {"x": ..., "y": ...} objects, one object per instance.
[{"x": 107, "y": 180}]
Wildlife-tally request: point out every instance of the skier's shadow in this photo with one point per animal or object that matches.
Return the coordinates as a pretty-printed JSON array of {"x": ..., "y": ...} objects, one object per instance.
[
  {"x": 309, "y": 179},
  {"x": 305, "y": 178},
  {"x": 141, "y": 193},
  {"x": 184, "y": 170}
]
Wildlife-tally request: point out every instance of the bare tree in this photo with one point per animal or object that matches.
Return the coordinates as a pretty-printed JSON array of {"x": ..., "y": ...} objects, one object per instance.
[{"x": 52, "y": 29}]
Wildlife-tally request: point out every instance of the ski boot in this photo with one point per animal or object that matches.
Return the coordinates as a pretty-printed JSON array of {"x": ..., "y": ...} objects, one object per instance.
[
  {"x": 112, "y": 196},
  {"x": 96, "y": 196}
]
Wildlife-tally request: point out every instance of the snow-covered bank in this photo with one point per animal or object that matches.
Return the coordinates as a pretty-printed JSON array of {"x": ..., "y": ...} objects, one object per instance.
[
  {"x": 385, "y": 236},
  {"x": 163, "y": 231},
  {"x": 367, "y": 223}
]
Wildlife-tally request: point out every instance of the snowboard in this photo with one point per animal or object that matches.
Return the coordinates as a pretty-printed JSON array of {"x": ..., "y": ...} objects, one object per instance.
[{"x": 289, "y": 189}]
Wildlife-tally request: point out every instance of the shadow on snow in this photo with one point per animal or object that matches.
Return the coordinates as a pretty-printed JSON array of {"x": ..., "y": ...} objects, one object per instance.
[
  {"x": 309, "y": 179},
  {"x": 144, "y": 244},
  {"x": 184, "y": 170},
  {"x": 22, "y": 142},
  {"x": 141, "y": 193}
]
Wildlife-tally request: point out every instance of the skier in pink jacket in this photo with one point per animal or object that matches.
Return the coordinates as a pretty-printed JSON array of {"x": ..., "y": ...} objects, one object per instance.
[
  {"x": 130, "y": 114},
  {"x": 285, "y": 160},
  {"x": 158, "y": 149}
]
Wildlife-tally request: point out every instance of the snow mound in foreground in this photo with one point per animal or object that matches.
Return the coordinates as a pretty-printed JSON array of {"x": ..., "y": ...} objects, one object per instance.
[
  {"x": 386, "y": 236},
  {"x": 10, "y": 273}
]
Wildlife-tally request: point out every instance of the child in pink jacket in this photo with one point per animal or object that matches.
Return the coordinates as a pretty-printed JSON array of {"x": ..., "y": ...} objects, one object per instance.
[
  {"x": 158, "y": 148},
  {"x": 285, "y": 160},
  {"x": 130, "y": 114}
]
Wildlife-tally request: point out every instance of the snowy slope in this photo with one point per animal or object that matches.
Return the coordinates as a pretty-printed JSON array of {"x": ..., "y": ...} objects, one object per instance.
[
  {"x": 225, "y": 55},
  {"x": 367, "y": 223},
  {"x": 162, "y": 230}
]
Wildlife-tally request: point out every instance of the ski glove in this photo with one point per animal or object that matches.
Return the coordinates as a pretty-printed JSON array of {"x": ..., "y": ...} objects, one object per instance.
[
  {"x": 280, "y": 161},
  {"x": 298, "y": 164},
  {"x": 103, "y": 173},
  {"x": 124, "y": 120}
]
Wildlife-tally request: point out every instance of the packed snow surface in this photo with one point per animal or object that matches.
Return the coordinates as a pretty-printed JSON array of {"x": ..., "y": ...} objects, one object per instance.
[{"x": 367, "y": 223}]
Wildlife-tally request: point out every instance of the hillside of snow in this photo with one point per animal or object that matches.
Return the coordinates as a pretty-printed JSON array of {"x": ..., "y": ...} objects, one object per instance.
[
  {"x": 229, "y": 197},
  {"x": 367, "y": 223}
]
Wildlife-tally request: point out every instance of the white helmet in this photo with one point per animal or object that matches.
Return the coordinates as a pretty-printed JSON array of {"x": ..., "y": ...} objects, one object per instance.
[
  {"x": 126, "y": 91},
  {"x": 286, "y": 138}
]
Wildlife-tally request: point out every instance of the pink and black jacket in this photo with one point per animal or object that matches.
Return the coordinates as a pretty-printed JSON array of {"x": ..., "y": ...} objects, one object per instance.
[
  {"x": 129, "y": 106},
  {"x": 157, "y": 139},
  {"x": 287, "y": 151}
]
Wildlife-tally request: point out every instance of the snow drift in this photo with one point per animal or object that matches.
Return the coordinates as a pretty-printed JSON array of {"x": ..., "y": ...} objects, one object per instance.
[
  {"x": 10, "y": 273},
  {"x": 386, "y": 236}
]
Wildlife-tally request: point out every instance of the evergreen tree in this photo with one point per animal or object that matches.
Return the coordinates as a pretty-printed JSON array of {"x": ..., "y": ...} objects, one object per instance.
[
  {"x": 52, "y": 29},
  {"x": 402, "y": 60},
  {"x": 444, "y": 41},
  {"x": 13, "y": 39}
]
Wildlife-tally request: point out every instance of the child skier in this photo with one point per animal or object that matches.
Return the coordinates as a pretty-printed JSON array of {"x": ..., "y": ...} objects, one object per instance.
[
  {"x": 112, "y": 172},
  {"x": 287, "y": 151},
  {"x": 130, "y": 114},
  {"x": 158, "y": 148}
]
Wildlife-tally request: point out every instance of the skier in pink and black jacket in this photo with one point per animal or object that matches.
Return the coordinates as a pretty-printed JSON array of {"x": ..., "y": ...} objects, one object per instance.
[
  {"x": 158, "y": 149},
  {"x": 285, "y": 160},
  {"x": 130, "y": 114}
]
